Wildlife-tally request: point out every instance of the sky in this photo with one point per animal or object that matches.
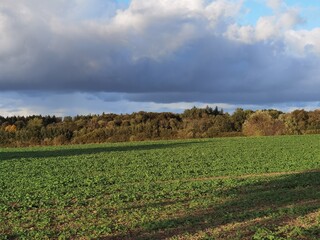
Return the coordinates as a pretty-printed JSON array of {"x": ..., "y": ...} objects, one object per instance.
[{"x": 69, "y": 57}]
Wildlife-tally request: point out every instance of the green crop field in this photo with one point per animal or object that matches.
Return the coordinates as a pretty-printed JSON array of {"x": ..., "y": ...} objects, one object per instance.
[{"x": 227, "y": 188}]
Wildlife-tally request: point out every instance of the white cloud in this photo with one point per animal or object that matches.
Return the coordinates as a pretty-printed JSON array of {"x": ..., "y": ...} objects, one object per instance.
[
  {"x": 303, "y": 42},
  {"x": 275, "y": 4},
  {"x": 267, "y": 28}
]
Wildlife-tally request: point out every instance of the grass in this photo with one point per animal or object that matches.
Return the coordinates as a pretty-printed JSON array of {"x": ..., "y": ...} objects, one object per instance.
[{"x": 232, "y": 188}]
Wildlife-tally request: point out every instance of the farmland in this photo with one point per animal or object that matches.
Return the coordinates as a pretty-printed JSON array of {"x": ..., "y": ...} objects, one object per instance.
[{"x": 226, "y": 188}]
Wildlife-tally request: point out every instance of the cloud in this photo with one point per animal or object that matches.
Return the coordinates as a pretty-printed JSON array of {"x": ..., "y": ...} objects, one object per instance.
[
  {"x": 83, "y": 103},
  {"x": 164, "y": 51},
  {"x": 275, "y": 4},
  {"x": 72, "y": 104}
]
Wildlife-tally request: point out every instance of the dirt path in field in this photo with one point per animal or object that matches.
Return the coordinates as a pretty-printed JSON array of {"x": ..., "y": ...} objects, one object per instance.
[{"x": 272, "y": 174}]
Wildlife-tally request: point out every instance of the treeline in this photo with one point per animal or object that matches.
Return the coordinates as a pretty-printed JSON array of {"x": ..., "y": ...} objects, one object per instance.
[{"x": 192, "y": 123}]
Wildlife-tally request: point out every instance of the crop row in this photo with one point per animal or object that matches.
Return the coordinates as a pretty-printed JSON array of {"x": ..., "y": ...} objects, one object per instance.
[{"x": 146, "y": 188}]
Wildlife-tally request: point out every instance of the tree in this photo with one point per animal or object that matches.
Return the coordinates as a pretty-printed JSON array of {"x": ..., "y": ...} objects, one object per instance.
[
  {"x": 296, "y": 122},
  {"x": 261, "y": 123},
  {"x": 239, "y": 117}
]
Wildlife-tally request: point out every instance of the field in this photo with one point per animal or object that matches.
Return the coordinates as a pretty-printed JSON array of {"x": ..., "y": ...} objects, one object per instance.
[{"x": 227, "y": 188}]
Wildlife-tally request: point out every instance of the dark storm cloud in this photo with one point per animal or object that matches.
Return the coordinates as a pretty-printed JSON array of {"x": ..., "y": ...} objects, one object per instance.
[{"x": 156, "y": 58}]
